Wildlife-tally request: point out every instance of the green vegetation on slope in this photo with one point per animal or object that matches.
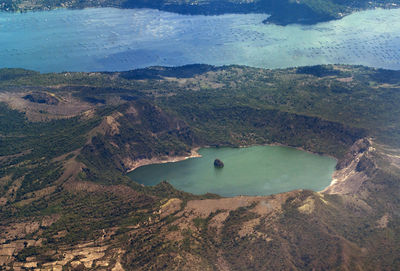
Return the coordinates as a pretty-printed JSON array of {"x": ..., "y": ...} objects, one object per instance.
[{"x": 66, "y": 177}]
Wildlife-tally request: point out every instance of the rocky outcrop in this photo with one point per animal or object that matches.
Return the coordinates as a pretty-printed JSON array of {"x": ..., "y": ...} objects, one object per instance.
[
  {"x": 218, "y": 163},
  {"x": 359, "y": 147},
  {"x": 355, "y": 168}
]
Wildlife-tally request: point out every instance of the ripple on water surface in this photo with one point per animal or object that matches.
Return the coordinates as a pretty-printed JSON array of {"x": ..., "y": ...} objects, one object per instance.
[{"x": 114, "y": 39}]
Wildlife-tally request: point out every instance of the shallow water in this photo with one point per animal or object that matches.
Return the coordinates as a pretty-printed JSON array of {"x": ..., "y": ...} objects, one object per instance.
[
  {"x": 107, "y": 39},
  {"x": 258, "y": 170}
]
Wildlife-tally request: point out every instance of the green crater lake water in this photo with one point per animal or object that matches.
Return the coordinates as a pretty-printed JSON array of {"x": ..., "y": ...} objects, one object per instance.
[{"x": 258, "y": 170}]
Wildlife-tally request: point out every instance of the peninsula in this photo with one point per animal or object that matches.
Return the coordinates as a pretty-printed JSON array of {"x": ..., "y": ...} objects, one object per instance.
[{"x": 282, "y": 12}]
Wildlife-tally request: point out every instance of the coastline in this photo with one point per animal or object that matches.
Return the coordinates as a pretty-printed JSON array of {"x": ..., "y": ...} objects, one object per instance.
[
  {"x": 162, "y": 160},
  {"x": 275, "y": 17},
  {"x": 288, "y": 146},
  {"x": 302, "y": 149}
]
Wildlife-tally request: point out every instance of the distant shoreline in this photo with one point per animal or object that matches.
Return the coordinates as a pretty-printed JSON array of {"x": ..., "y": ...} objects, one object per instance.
[{"x": 284, "y": 14}]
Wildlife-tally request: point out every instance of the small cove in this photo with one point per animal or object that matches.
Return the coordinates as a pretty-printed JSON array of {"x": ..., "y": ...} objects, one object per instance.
[{"x": 256, "y": 170}]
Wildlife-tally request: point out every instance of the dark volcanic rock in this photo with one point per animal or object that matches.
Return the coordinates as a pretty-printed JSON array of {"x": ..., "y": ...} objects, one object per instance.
[
  {"x": 360, "y": 146},
  {"x": 365, "y": 164},
  {"x": 41, "y": 98},
  {"x": 218, "y": 163}
]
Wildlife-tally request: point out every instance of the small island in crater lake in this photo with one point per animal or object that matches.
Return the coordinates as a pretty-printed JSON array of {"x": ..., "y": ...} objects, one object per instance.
[
  {"x": 218, "y": 163},
  {"x": 256, "y": 170}
]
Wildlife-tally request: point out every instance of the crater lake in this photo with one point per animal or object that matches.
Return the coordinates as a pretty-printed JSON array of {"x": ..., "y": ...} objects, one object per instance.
[{"x": 256, "y": 170}]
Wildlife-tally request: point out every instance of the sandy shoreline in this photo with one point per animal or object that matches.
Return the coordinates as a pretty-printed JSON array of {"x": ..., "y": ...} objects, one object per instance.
[{"x": 161, "y": 160}]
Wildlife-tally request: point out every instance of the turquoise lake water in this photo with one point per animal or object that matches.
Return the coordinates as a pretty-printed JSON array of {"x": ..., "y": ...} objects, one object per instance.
[
  {"x": 107, "y": 39},
  {"x": 258, "y": 170}
]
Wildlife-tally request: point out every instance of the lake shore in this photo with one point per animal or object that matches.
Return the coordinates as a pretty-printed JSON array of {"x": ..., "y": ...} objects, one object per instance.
[
  {"x": 302, "y": 149},
  {"x": 162, "y": 160}
]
